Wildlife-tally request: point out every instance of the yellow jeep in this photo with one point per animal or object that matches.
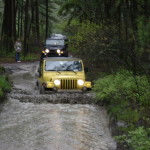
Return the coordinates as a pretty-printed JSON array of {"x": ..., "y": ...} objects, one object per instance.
[{"x": 62, "y": 73}]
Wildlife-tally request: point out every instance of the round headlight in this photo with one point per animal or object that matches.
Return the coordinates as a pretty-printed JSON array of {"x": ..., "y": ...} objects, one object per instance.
[
  {"x": 47, "y": 50},
  {"x": 58, "y": 51},
  {"x": 57, "y": 82},
  {"x": 80, "y": 82}
]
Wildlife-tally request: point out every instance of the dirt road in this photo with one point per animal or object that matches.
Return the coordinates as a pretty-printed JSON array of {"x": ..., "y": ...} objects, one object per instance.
[{"x": 62, "y": 121}]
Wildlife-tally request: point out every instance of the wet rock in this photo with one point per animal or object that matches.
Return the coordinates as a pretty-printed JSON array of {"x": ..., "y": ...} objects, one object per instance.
[{"x": 34, "y": 97}]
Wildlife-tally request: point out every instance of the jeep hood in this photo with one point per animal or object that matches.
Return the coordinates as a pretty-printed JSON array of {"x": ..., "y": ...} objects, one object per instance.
[{"x": 64, "y": 75}]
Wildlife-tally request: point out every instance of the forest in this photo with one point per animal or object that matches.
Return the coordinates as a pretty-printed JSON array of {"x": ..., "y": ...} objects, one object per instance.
[{"x": 111, "y": 36}]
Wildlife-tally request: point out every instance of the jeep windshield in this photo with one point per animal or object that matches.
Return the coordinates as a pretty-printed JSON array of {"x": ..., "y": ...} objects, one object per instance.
[
  {"x": 63, "y": 65},
  {"x": 54, "y": 42}
]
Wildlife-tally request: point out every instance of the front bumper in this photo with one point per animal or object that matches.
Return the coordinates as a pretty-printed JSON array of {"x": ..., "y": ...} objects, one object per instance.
[{"x": 68, "y": 85}]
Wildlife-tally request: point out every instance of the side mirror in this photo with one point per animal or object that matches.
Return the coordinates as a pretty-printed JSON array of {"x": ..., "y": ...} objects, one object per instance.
[
  {"x": 39, "y": 72},
  {"x": 39, "y": 69}
]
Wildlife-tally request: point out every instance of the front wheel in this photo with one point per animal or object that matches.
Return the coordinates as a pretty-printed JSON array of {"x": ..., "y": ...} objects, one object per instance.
[{"x": 42, "y": 90}]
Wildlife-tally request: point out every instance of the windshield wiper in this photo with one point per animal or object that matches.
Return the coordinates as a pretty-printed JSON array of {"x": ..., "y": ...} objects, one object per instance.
[
  {"x": 71, "y": 70},
  {"x": 59, "y": 72},
  {"x": 54, "y": 70},
  {"x": 74, "y": 71}
]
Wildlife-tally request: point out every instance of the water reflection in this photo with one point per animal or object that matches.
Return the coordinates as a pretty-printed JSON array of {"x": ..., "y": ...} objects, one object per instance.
[
  {"x": 29, "y": 126},
  {"x": 53, "y": 127}
]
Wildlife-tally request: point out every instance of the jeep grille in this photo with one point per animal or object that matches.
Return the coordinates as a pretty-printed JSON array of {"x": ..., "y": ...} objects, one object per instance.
[{"x": 68, "y": 84}]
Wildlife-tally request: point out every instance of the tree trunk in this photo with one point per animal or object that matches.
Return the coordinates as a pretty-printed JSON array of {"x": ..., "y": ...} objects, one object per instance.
[
  {"x": 9, "y": 25},
  {"x": 47, "y": 23},
  {"x": 37, "y": 21},
  {"x": 21, "y": 19},
  {"x": 26, "y": 28}
]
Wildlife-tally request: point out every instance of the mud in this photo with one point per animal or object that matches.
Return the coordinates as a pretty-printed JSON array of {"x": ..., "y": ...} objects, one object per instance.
[
  {"x": 52, "y": 121},
  {"x": 61, "y": 97},
  {"x": 24, "y": 79}
]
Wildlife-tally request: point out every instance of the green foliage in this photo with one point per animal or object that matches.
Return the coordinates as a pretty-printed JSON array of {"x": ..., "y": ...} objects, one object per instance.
[
  {"x": 94, "y": 42},
  {"x": 137, "y": 139},
  {"x": 30, "y": 57},
  {"x": 75, "y": 9},
  {"x": 127, "y": 95},
  {"x": 11, "y": 56},
  {"x": 127, "y": 98},
  {"x": 2, "y": 70},
  {"x": 110, "y": 34},
  {"x": 4, "y": 86},
  {"x": 143, "y": 32}
]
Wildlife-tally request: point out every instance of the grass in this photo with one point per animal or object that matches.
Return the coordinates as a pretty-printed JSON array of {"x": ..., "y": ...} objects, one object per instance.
[
  {"x": 10, "y": 58},
  {"x": 4, "y": 83}
]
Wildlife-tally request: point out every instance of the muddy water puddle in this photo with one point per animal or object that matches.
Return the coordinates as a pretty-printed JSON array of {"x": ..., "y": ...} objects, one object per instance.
[{"x": 61, "y": 121}]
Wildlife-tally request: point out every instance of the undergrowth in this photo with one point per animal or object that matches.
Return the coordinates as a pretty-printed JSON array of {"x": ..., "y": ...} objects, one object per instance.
[
  {"x": 127, "y": 98},
  {"x": 10, "y": 57},
  {"x": 4, "y": 86}
]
